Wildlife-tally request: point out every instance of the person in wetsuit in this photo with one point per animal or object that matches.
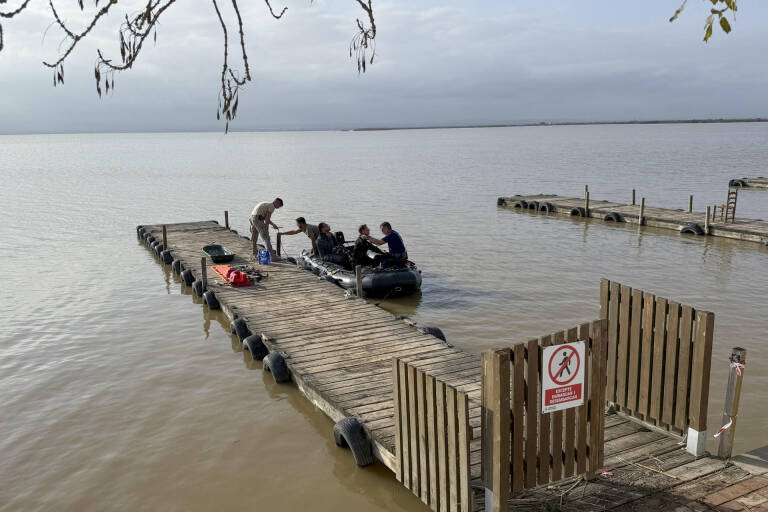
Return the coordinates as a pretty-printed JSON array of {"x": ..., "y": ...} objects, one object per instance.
[
  {"x": 329, "y": 248},
  {"x": 397, "y": 254},
  {"x": 362, "y": 246}
]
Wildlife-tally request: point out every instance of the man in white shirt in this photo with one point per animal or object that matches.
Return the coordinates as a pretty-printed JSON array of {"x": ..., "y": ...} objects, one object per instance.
[{"x": 261, "y": 219}]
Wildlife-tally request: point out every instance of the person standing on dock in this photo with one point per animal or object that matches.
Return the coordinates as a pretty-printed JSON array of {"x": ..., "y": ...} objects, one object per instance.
[
  {"x": 261, "y": 219},
  {"x": 311, "y": 230},
  {"x": 397, "y": 254}
]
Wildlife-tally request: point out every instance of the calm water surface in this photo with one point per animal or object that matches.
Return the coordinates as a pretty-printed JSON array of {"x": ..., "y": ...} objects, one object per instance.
[{"x": 119, "y": 392}]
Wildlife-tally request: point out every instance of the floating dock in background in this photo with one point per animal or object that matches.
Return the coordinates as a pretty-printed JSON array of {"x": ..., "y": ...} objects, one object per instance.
[
  {"x": 340, "y": 351},
  {"x": 695, "y": 223},
  {"x": 758, "y": 182}
]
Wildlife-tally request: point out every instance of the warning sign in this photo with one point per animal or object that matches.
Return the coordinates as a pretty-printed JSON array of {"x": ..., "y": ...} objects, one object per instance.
[{"x": 562, "y": 376}]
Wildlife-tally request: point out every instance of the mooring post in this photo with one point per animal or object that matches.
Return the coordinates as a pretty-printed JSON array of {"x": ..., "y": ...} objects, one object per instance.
[
  {"x": 690, "y": 204},
  {"x": 641, "y": 219},
  {"x": 706, "y": 221},
  {"x": 731, "y": 406},
  {"x": 165, "y": 238},
  {"x": 586, "y": 203},
  {"x": 586, "y": 190},
  {"x": 226, "y": 219},
  {"x": 279, "y": 243},
  {"x": 633, "y": 197},
  {"x": 204, "y": 272},
  {"x": 359, "y": 280}
]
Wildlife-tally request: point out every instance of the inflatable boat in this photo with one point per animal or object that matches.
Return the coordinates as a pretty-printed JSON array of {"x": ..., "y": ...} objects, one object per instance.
[{"x": 377, "y": 282}]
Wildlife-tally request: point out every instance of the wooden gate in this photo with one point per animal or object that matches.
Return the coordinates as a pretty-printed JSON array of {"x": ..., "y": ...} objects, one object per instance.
[
  {"x": 536, "y": 448},
  {"x": 432, "y": 436},
  {"x": 659, "y": 358}
]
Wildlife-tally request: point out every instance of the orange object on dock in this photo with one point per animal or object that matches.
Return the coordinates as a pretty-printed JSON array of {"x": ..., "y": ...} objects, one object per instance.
[{"x": 232, "y": 276}]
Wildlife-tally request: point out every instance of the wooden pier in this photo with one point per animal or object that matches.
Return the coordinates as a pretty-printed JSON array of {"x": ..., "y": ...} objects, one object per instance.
[
  {"x": 684, "y": 222},
  {"x": 341, "y": 352},
  {"x": 759, "y": 182}
]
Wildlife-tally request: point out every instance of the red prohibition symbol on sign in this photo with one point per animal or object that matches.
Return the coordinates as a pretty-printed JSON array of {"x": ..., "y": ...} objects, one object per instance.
[{"x": 561, "y": 371}]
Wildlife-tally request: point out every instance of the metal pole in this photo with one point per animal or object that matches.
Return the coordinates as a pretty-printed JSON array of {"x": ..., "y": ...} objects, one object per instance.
[
  {"x": 731, "y": 406},
  {"x": 706, "y": 221},
  {"x": 690, "y": 204},
  {"x": 204, "y": 272},
  {"x": 359, "y": 280},
  {"x": 641, "y": 218},
  {"x": 165, "y": 238},
  {"x": 633, "y": 197},
  {"x": 226, "y": 219}
]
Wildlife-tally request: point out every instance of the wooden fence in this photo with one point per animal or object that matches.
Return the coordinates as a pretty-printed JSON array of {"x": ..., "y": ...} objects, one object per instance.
[
  {"x": 659, "y": 357},
  {"x": 432, "y": 436},
  {"x": 536, "y": 448}
]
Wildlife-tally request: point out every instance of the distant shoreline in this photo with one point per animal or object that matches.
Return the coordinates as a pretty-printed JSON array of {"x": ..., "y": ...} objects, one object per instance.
[{"x": 567, "y": 123}]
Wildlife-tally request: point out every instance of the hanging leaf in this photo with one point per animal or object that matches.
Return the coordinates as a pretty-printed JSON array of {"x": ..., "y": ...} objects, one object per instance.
[
  {"x": 708, "y": 33},
  {"x": 725, "y": 25}
]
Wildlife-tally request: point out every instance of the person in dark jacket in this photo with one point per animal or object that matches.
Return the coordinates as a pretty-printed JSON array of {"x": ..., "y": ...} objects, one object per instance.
[
  {"x": 362, "y": 247},
  {"x": 397, "y": 254},
  {"x": 329, "y": 248}
]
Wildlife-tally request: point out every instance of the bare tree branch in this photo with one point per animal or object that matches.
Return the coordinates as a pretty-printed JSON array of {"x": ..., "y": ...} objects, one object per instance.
[{"x": 276, "y": 16}]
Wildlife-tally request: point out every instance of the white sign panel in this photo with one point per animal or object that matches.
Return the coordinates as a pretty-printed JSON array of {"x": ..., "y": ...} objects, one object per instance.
[{"x": 562, "y": 376}]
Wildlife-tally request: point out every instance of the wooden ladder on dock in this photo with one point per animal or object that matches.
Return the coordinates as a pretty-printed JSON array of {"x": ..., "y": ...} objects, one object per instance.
[{"x": 727, "y": 210}]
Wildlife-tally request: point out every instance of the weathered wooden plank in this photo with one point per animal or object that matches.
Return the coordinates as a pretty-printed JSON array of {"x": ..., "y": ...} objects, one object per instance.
[
  {"x": 657, "y": 376},
  {"x": 569, "y": 458},
  {"x": 635, "y": 330},
  {"x": 649, "y": 310},
  {"x": 464, "y": 438},
  {"x": 413, "y": 430},
  {"x": 622, "y": 350},
  {"x": 613, "y": 339},
  {"x": 701, "y": 363},
  {"x": 545, "y": 443},
  {"x": 684, "y": 367},
  {"x": 398, "y": 418},
  {"x": 453, "y": 442},
  {"x": 532, "y": 405},
  {"x": 557, "y": 427},
  {"x": 495, "y": 399},
  {"x": 670, "y": 363},
  {"x": 444, "y": 497},
  {"x": 518, "y": 398},
  {"x": 421, "y": 412},
  {"x": 581, "y": 412},
  {"x": 405, "y": 425},
  {"x": 432, "y": 440}
]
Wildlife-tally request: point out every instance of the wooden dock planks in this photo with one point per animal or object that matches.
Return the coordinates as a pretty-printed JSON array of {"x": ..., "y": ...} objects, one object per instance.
[
  {"x": 340, "y": 352},
  {"x": 754, "y": 230}
]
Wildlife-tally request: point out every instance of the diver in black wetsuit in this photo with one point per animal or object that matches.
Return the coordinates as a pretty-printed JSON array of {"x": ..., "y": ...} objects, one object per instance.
[{"x": 362, "y": 247}]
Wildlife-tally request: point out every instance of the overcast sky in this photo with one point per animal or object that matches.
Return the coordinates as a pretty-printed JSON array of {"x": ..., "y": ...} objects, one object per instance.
[{"x": 437, "y": 63}]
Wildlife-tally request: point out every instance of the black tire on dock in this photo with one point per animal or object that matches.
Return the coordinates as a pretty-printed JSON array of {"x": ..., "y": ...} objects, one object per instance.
[
  {"x": 167, "y": 257},
  {"x": 209, "y": 299},
  {"x": 692, "y": 229},
  {"x": 240, "y": 327},
  {"x": 177, "y": 267},
  {"x": 500, "y": 202},
  {"x": 546, "y": 207},
  {"x": 434, "y": 331},
  {"x": 613, "y": 217},
  {"x": 736, "y": 183},
  {"x": 533, "y": 205},
  {"x": 291, "y": 259},
  {"x": 349, "y": 433},
  {"x": 188, "y": 277},
  {"x": 274, "y": 363},
  {"x": 255, "y": 345},
  {"x": 140, "y": 230},
  {"x": 579, "y": 211},
  {"x": 197, "y": 287},
  {"x": 521, "y": 204}
]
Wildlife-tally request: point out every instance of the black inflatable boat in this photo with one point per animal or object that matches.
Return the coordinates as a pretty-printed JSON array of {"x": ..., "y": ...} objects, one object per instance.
[{"x": 377, "y": 282}]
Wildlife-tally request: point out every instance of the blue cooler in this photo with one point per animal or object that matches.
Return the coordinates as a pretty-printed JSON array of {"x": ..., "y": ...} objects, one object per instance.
[{"x": 264, "y": 257}]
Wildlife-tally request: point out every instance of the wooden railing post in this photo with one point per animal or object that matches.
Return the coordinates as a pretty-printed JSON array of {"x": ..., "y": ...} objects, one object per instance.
[
  {"x": 279, "y": 243},
  {"x": 495, "y": 421},
  {"x": 204, "y": 272},
  {"x": 706, "y": 221},
  {"x": 633, "y": 197},
  {"x": 701, "y": 363},
  {"x": 586, "y": 203},
  {"x": 690, "y": 204},
  {"x": 165, "y": 238},
  {"x": 641, "y": 218},
  {"x": 226, "y": 219},
  {"x": 731, "y": 406}
]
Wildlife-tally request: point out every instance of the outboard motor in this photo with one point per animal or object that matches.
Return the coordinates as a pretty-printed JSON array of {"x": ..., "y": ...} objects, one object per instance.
[{"x": 340, "y": 237}]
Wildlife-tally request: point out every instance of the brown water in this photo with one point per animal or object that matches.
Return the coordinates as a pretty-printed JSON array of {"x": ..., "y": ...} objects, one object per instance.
[{"x": 118, "y": 392}]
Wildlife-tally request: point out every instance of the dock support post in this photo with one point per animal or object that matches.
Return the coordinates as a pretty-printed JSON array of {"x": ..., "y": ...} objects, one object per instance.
[
  {"x": 495, "y": 428},
  {"x": 706, "y": 221},
  {"x": 279, "y": 243},
  {"x": 165, "y": 238},
  {"x": 641, "y": 218},
  {"x": 226, "y": 219},
  {"x": 690, "y": 204},
  {"x": 359, "y": 281},
  {"x": 633, "y": 197},
  {"x": 586, "y": 203},
  {"x": 732, "y": 398},
  {"x": 204, "y": 272}
]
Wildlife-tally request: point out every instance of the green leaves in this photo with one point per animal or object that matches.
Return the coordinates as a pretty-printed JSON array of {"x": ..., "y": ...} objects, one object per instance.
[
  {"x": 708, "y": 32},
  {"x": 719, "y": 9},
  {"x": 725, "y": 25}
]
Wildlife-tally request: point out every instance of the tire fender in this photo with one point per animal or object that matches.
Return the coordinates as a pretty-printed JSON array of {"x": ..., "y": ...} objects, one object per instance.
[
  {"x": 177, "y": 267},
  {"x": 349, "y": 433},
  {"x": 197, "y": 287},
  {"x": 434, "y": 331},
  {"x": 613, "y": 217},
  {"x": 692, "y": 229},
  {"x": 240, "y": 328},
  {"x": 546, "y": 207},
  {"x": 209, "y": 299},
  {"x": 579, "y": 211},
  {"x": 521, "y": 204},
  {"x": 274, "y": 363},
  {"x": 255, "y": 345},
  {"x": 166, "y": 256},
  {"x": 188, "y": 277}
]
